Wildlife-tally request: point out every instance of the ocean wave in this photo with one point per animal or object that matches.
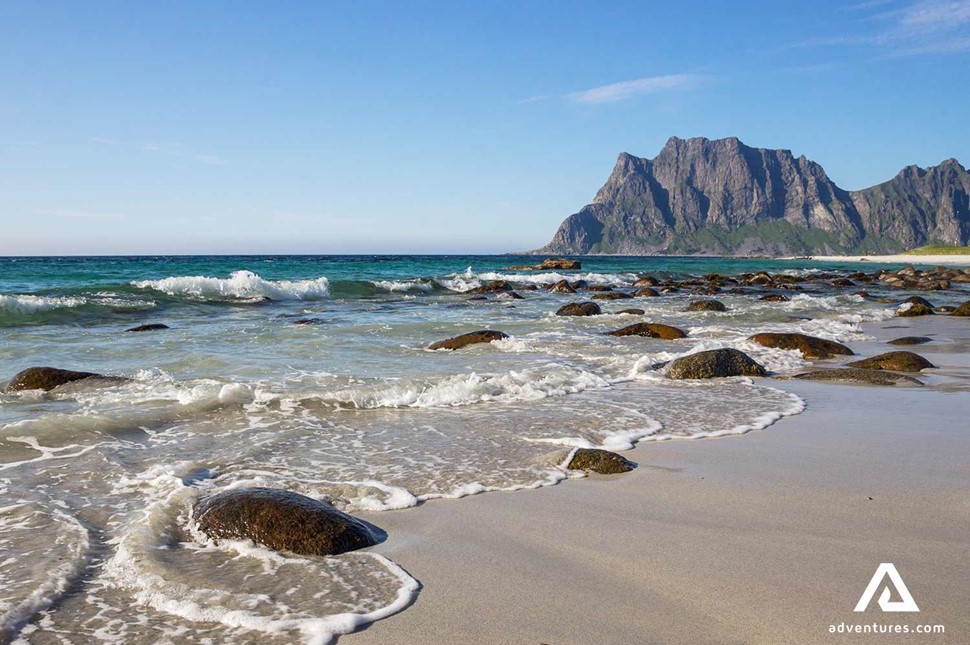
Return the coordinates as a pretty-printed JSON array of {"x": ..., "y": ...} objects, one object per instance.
[
  {"x": 416, "y": 284},
  {"x": 471, "y": 280},
  {"x": 240, "y": 285}
]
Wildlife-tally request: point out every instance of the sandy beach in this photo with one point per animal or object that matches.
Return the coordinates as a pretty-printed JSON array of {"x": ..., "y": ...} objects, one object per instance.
[
  {"x": 769, "y": 537},
  {"x": 900, "y": 258}
]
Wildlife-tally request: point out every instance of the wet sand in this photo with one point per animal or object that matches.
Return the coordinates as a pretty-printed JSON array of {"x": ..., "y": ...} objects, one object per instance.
[{"x": 770, "y": 537}]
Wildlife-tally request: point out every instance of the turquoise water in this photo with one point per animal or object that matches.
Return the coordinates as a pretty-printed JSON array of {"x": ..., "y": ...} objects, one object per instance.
[{"x": 97, "y": 480}]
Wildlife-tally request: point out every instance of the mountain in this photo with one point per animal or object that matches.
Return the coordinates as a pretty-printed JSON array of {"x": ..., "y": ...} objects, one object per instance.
[{"x": 721, "y": 197}]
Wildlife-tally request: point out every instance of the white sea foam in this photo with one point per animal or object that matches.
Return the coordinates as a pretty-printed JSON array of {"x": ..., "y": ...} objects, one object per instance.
[
  {"x": 257, "y": 590},
  {"x": 27, "y": 304},
  {"x": 244, "y": 285},
  {"x": 470, "y": 280},
  {"x": 404, "y": 285}
]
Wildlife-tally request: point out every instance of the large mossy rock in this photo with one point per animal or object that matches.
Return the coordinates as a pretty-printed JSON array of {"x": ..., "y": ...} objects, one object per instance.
[
  {"x": 558, "y": 263},
  {"x": 915, "y": 309},
  {"x": 493, "y": 286},
  {"x": 811, "y": 347},
  {"x": 562, "y": 286},
  {"x": 715, "y": 363},
  {"x": 45, "y": 378},
  {"x": 647, "y": 292},
  {"x": 281, "y": 520},
  {"x": 612, "y": 295},
  {"x": 599, "y": 461},
  {"x": 894, "y": 361},
  {"x": 706, "y": 305},
  {"x": 910, "y": 340},
  {"x": 962, "y": 310},
  {"x": 859, "y": 376},
  {"x": 579, "y": 309},
  {"x": 651, "y": 330},
  {"x": 471, "y": 338}
]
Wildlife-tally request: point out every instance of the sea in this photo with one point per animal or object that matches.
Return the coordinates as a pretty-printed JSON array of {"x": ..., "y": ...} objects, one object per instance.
[{"x": 97, "y": 482}]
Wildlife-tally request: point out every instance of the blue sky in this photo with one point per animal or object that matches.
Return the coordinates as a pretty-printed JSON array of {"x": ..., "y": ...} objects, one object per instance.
[{"x": 441, "y": 127}]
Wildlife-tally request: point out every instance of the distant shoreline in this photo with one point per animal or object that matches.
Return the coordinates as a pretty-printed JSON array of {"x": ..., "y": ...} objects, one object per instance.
[{"x": 888, "y": 259}]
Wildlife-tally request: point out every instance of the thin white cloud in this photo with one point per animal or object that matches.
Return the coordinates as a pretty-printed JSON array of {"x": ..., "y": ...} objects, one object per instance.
[
  {"x": 538, "y": 98},
  {"x": 211, "y": 160},
  {"x": 637, "y": 87},
  {"x": 924, "y": 27}
]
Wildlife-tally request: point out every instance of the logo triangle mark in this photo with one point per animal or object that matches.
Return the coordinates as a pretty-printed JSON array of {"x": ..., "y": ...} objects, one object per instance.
[{"x": 887, "y": 569}]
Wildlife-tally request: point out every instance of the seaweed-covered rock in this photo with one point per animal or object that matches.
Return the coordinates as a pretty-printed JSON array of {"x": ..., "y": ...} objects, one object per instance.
[
  {"x": 150, "y": 327},
  {"x": 861, "y": 376},
  {"x": 646, "y": 292},
  {"x": 706, "y": 305},
  {"x": 646, "y": 281},
  {"x": 45, "y": 378},
  {"x": 910, "y": 340},
  {"x": 894, "y": 361},
  {"x": 651, "y": 330},
  {"x": 775, "y": 297},
  {"x": 599, "y": 287},
  {"x": 471, "y": 338},
  {"x": 579, "y": 309},
  {"x": 493, "y": 286},
  {"x": 599, "y": 461},
  {"x": 281, "y": 520},
  {"x": 633, "y": 310},
  {"x": 612, "y": 295},
  {"x": 919, "y": 300},
  {"x": 962, "y": 310},
  {"x": 811, "y": 347},
  {"x": 916, "y": 309},
  {"x": 562, "y": 286},
  {"x": 715, "y": 363},
  {"x": 558, "y": 263}
]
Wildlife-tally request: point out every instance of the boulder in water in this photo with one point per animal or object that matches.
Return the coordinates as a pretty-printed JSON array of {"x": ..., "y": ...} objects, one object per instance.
[
  {"x": 894, "y": 361},
  {"x": 861, "y": 376},
  {"x": 281, "y": 520},
  {"x": 599, "y": 461},
  {"x": 962, "y": 310},
  {"x": 775, "y": 297},
  {"x": 910, "y": 340},
  {"x": 646, "y": 292},
  {"x": 612, "y": 295},
  {"x": 45, "y": 378},
  {"x": 471, "y": 338},
  {"x": 916, "y": 309},
  {"x": 811, "y": 347},
  {"x": 579, "y": 309},
  {"x": 715, "y": 363},
  {"x": 150, "y": 327},
  {"x": 650, "y": 330},
  {"x": 634, "y": 311},
  {"x": 562, "y": 287},
  {"x": 706, "y": 305}
]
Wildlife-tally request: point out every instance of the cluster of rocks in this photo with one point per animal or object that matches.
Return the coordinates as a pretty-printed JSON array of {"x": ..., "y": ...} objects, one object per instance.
[
  {"x": 550, "y": 264},
  {"x": 936, "y": 279}
]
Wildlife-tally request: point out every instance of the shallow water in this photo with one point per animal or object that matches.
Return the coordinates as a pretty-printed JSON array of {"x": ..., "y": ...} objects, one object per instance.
[{"x": 96, "y": 483}]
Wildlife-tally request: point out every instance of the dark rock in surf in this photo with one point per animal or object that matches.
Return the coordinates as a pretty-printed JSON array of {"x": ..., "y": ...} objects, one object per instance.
[
  {"x": 811, "y": 347},
  {"x": 309, "y": 321},
  {"x": 962, "y": 310},
  {"x": 917, "y": 309},
  {"x": 46, "y": 378},
  {"x": 281, "y": 520},
  {"x": 599, "y": 461},
  {"x": 910, "y": 340},
  {"x": 775, "y": 297},
  {"x": 646, "y": 292},
  {"x": 151, "y": 327},
  {"x": 562, "y": 287},
  {"x": 612, "y": 295},
  {"x": 859, "y": 376},
  {"x": 493, "y": 286},
  {"x": 706, "y": 305},
  {"x": 633, "y": 311},
  {"x": 715, "y": 363},
  {"x": 650, "y": 330},
  {"x": 579, "y": 309},
  {"x": 472, "y": 338},
  {"x": 894, "y": 361}
]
